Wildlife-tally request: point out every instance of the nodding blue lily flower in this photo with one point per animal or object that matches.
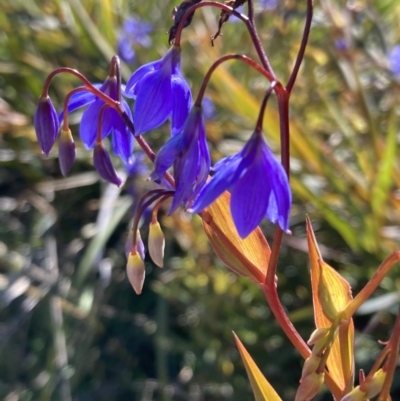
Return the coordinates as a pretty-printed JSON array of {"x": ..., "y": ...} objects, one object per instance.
[
  {"x": 161, "y": 92},
  {"x": 258, "y": 183},
  {"x": 112, "y": 123},
  {"x": 188, "y": 153}
]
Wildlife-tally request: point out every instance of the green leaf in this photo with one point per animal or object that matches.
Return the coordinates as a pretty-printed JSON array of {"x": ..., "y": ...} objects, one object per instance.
[{"x": 262, "y": 390}]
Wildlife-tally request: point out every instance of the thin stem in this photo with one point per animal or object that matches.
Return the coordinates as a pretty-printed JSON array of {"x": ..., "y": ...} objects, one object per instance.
[
  {"x": 250, "y": 27},
  {"x": 392, "y": 361},
  {"x": 158, "y": 205},
  {"x": 272, "y": 298},
  {"x": 66, "y": 101},
  {"x": 302, "y": 49},
  {"x": 111, "y": 102},
  {"x": 250, "y": 5},
  {"x": 115, "y": 71},
  {"x": 372, "y": 284},
  {"x": 260, "y": 118},
  {"x": 99, "y": 133},
  {"x": 144, "y": 203},
  {"x": 227, "y": 57}
]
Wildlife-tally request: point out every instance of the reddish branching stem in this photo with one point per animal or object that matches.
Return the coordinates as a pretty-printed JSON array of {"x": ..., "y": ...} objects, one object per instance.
[
  {"x": 225, "y": 58},
  {"x": 250, "y": 27}
]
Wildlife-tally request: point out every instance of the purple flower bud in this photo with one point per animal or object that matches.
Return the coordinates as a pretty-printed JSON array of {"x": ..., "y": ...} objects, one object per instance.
[
  {"x": 103, "y": 164},
  {"x": 46, "y": 124},
  {"x": 66, "y": 152}
]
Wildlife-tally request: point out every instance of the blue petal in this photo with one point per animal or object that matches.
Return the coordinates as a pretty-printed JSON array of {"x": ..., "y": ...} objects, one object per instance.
[
  {"x": 89, "y": 122},
  {"x": 250, "y": 197},
  {"x": 283, "y": 195},
  {"x": 221, "y": 164},
  {"x": 104, "y": 166},
  {"x": 165, "y": 157},
  {"x": 219, "y": 183},
  {"x": 78, "y": 100},
  {"x": 122, "y": 138},
  {"x": 181, "y": 102},
  {"x": 134, "y": 83},
  {"x": 153, "y": 102},
  {"x": 185, "y": 170}
]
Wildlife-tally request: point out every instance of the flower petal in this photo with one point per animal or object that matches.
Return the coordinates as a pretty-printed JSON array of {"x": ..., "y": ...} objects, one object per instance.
[
  {"x": 153, "y": 102},
  {"x": 186, "y": 169},
  {"x": 89, "y": 122},
  {"x": 122, "y": 138},
  {"x": 250, "y": 197},
  {"x": 181, "y": 102},
  {"x": 134, "y": 83},
  {"x": 78, "y": 100},
  {"x": 219, "y": 183},
  {"x": 103, "y": 164},
  {"x": 165, "y": 157}
]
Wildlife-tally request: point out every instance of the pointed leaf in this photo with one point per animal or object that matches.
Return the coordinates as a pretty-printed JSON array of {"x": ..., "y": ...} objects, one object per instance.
[
  {"x": 248, "y": 257},
  {"x": 331, "y": 294},
  {"x": 262, "y": 390}
]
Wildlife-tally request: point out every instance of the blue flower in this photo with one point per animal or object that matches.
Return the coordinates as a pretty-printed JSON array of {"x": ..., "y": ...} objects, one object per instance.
[
  {"x": 258, "y": 183},
  {"x": 160, "y": 92},
  {"x": 188, "y": 153},
  {"x": 112, "y": 123},
  {"x": 394, "y": 60},
  {"x": 133, "y": 31}
]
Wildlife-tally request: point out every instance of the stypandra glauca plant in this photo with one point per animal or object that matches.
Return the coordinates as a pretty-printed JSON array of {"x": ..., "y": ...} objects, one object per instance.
[{"x": 231, "y": 196}]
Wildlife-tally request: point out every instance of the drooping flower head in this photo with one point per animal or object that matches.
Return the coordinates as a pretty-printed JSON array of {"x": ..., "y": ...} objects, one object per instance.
[
  {"x": 188, "y": 153},
  {"x": 112, "y": 123},
  {"x": 161, "y": 92},
  {"x": 258, "y": 183}
]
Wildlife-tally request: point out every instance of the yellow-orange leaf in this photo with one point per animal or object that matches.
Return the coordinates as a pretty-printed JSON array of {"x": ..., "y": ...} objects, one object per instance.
[
  {"x": 331, "y": 294},
  {"x": 248, "y": 257},
  {"x": 262, "y": 390}
]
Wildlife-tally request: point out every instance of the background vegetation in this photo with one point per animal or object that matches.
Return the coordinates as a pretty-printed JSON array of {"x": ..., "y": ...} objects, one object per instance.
[{"x": 71, "y": 327}]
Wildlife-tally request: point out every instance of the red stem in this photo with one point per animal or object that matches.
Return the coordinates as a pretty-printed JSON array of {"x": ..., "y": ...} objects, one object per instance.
[
  {"x": 66, "y": 101},
  {"x": 227, "y": 57},
  {"x": 302, "y": 49},
  {"x": 250, "y": 27}
]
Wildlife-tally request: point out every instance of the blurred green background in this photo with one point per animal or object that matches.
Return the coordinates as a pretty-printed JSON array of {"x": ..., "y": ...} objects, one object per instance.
[{"x": 71, "y": 327}]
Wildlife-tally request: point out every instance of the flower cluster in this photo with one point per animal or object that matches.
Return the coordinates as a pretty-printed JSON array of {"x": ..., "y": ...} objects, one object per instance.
[
  {"x": 257, "y": 181},
  {"x": 159, "y": 92}
]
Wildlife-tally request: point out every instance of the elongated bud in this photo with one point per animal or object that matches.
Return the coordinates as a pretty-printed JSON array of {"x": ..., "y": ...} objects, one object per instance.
[
  {"x": 317, "y": 335},
  {"x": 135, "y": 271},
  {"x": 374, "y": 386},
  {"x": 103, "y": 164},
  {"x": 310, "y": 365},
  {"x": 66, "y": 151},
  {"x": 156, "y": 244},
  {"x": 46, "y": 124},
  {"x": 130, "y": 246},
  {"x": 309, "y": 387},
  {"x": 355, "y": 395}
]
